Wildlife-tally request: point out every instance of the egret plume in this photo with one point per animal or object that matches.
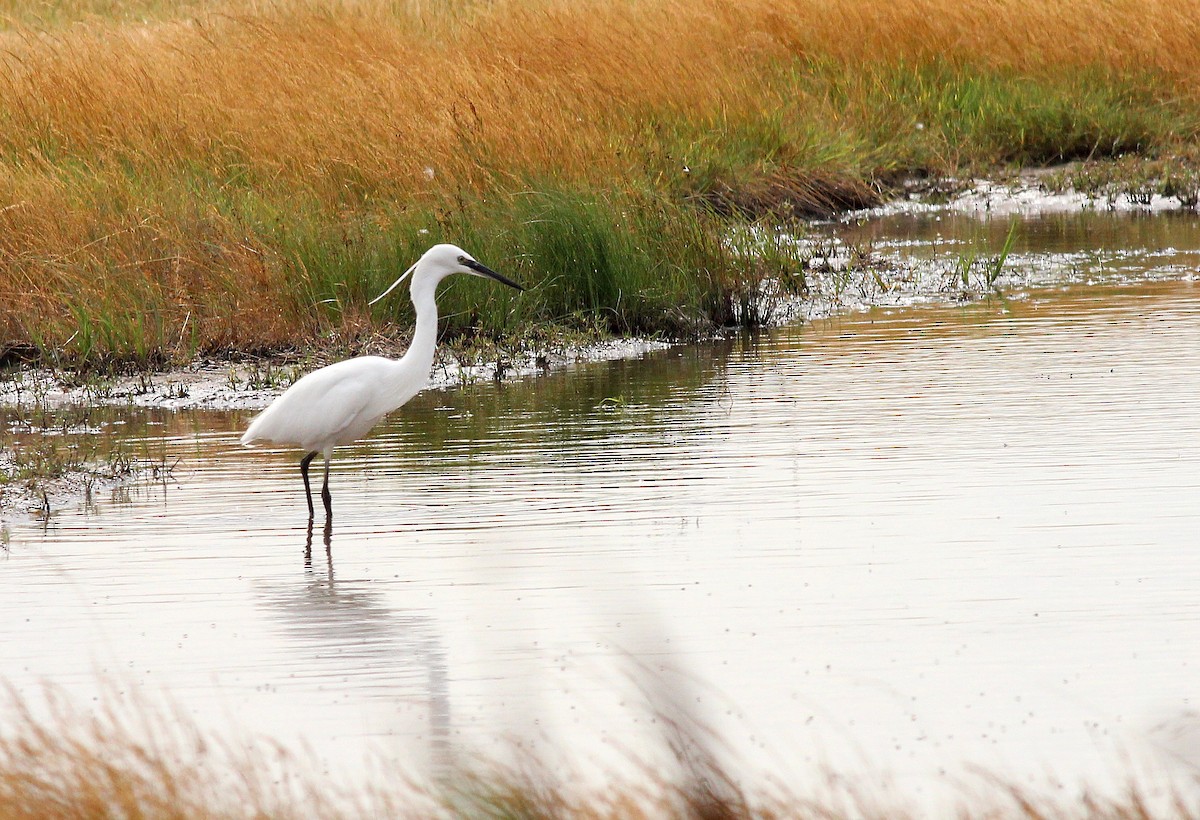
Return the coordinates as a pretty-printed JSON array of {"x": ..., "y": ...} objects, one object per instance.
[{"x": 403, "y": 276}]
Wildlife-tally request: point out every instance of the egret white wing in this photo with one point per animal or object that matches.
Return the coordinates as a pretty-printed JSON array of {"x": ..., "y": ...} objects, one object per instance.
[{"x": 322, "y": 409}]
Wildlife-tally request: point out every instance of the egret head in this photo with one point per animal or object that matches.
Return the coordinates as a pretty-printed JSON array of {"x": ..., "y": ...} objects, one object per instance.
[{"x": 442, "y": 260}]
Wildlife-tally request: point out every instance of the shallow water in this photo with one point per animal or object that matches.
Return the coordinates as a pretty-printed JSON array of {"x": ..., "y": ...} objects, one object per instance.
[{"x": 911, "y": 541}]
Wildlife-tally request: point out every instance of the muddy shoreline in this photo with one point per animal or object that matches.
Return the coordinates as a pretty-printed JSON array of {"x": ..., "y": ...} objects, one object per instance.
[
  {"x": 240, "y": 385},
  {"x": 247, "y": 386},
  {"x": 840, "y": 278}
]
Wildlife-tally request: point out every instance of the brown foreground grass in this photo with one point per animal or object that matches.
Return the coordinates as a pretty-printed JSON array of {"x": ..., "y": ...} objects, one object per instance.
[
  {"x": 184, "y": 178},
  {"x": 124, "y": 759}
]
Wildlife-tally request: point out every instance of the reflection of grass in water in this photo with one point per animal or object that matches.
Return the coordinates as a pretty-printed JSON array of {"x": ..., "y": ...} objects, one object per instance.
[
  {"x": 130, "y": 759},
  {"x": 74, "y": 448}
]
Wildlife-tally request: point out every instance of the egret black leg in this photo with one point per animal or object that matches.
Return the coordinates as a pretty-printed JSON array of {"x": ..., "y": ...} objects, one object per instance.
[
  {"x": 304, "y": 462},
  {"x": 325, "y": 491}
]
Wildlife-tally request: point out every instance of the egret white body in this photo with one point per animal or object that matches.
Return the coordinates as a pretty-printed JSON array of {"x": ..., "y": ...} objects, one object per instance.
[{"x": 339, "y": 404}]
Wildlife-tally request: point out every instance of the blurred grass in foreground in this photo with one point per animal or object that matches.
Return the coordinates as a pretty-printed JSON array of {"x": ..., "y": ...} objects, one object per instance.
[{"x": 124, "y": 757}]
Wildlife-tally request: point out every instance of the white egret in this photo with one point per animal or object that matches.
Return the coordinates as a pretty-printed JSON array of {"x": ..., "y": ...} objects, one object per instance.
[{"x": 340, "y": 403}]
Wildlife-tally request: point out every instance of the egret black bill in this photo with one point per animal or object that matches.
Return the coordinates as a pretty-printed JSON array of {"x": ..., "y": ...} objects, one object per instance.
[{"x": 484, "y": 270}]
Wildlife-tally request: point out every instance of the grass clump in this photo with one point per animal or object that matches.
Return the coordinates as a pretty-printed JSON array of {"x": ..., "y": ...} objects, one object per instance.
[
  {"x": 46, "y": 453},
  {"x": 179, "y": 180},
  {"x": 126, "y": 757},
  {"x": 122, "y": 760},
  {"x": 1135, "y": 180}
]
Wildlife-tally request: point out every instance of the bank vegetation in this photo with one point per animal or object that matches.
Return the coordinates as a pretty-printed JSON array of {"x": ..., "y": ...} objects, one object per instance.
[{"x": 180, "y": 180}]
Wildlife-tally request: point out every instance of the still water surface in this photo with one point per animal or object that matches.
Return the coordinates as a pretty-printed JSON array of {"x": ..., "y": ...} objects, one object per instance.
[{"x": 911, "y": 541}]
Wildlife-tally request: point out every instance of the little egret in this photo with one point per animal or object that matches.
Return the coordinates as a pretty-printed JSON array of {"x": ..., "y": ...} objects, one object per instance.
[{"x": 340, "y": 403}]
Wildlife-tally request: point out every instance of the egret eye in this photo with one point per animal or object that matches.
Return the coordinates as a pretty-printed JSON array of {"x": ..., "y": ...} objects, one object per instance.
[{"x": 462, "y": 260}]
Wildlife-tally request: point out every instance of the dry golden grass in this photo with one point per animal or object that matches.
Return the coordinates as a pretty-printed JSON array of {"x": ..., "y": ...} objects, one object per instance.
[
  {"x": 153, "y": 154},
  {"x": 124, "y": 757},
  {"x": 65, "y": 762},
  {"x": 330, "y": 97}
]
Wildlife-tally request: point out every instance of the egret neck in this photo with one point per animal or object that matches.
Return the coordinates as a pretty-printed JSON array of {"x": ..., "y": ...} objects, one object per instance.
[
  {"x": 426, "y": 332},
  {"x": 418, "y": 358}
]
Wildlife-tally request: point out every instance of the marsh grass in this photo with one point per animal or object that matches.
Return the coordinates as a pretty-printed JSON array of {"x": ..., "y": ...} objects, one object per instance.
[
  {"x": 1134, "y": 179},
  {"x": 976, "y": 271},
  {"x": 183, "y": 180},
  {"x": 125, "y": 756},
  {"x": 74, "y": 450},
  {"x": 995, "y": 265}
]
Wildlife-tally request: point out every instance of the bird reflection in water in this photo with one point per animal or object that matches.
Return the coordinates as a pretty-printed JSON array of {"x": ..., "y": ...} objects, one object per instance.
[
  {"x": 349, "y": 630},
  {"x": 326, "y": 538}
]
